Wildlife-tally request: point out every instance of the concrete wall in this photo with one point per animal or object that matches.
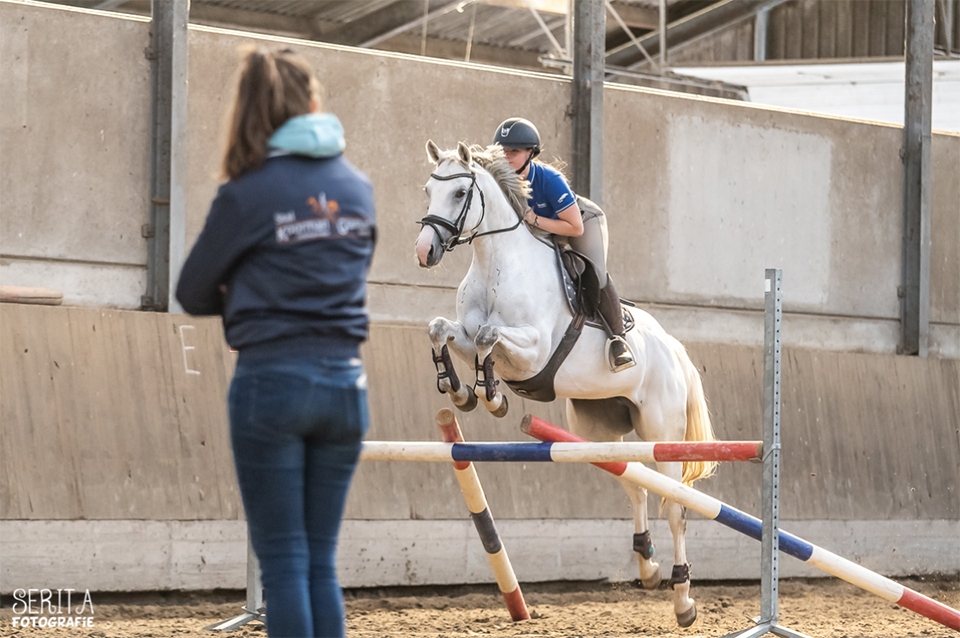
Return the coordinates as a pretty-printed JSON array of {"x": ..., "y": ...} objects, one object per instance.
[
  {"x": 74, "y": 153},
  {"x": 701, "y": 194}
]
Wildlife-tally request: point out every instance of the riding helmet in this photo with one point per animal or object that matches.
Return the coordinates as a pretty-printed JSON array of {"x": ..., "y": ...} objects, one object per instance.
[{"x": 517, "y": 132}]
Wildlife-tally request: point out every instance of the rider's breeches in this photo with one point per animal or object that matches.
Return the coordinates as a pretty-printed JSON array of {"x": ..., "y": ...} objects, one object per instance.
[{"x": 593, "y": 244}]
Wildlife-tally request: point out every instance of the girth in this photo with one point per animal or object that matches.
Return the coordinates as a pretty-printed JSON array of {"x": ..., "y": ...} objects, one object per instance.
[
  {"x": 582, "y": 302},
  {"x": 540, "y": 386}
]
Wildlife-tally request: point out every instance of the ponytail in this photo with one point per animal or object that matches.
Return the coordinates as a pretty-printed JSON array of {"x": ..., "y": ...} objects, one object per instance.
[{"x": 274, "y": 87}]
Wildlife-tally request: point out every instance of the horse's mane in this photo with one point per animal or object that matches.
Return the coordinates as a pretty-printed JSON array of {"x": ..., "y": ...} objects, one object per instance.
[{"x": 492, "y": 160}]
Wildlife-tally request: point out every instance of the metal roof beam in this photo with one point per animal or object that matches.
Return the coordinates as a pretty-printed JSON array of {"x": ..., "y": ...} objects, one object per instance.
[
  {"x": 453, "y": 50},
  {"x": 545, "y": 6},
  {"x": 308, "y": 28},
  {"x": 412, "y": 21},
  {"x": 532, "y": 35},
  {"x": 626, "y": 29},
  {"x": 546, "y": 30},
  {"x": 401, "y": 12},
  {"x": 689, "y": 29},
  {"x": 637, "y": 16}
]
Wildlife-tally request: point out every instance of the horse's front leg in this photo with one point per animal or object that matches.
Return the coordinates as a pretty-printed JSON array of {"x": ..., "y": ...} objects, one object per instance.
[
  {"x": 444, "y": 333},
  {"x": 519, "y": 347}
]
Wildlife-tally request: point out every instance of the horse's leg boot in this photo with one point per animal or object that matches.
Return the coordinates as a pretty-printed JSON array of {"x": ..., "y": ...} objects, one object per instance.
[{"x": 618, "y": 350}]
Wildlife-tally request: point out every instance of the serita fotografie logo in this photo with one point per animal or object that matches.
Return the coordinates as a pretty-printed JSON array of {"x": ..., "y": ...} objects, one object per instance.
[{"x": 52, "y": 608}]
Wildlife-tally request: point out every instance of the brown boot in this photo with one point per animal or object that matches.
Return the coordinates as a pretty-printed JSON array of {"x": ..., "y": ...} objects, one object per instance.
[{"x": 619, "y": 354}]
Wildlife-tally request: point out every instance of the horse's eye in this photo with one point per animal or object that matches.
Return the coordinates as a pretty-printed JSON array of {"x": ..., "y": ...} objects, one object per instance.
[{"x": 460, "y": 192}]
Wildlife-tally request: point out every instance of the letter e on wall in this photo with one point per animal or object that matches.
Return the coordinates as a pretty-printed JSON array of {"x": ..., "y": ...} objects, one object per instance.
[{"x": 183, "y": 343}]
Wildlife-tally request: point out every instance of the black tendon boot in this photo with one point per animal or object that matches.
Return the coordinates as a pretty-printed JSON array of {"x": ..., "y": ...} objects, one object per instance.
[{"x": 618, "y": 351}]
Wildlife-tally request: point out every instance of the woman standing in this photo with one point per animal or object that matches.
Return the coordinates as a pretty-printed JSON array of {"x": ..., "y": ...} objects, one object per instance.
[
  {"x": 556, "y": 209},
  {"x": 283, "y": 258}
]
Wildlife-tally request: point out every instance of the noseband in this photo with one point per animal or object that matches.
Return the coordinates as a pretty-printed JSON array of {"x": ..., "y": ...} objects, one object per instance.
[{"x": 455, "y": 228}]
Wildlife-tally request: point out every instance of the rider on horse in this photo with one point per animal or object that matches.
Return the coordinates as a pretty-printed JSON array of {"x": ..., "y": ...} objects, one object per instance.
[{"x": 554, "y": 208}]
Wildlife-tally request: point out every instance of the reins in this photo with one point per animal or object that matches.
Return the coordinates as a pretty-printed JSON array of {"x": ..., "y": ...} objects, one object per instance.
[{"x": 456, "y": 227}]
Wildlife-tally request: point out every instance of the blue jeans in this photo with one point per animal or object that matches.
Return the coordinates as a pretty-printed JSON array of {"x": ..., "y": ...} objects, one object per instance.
[{"x": 297, "y": 426}]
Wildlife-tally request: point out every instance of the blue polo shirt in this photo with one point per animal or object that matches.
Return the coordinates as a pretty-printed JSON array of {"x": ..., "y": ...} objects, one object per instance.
[{"x": 550, "y": 193}]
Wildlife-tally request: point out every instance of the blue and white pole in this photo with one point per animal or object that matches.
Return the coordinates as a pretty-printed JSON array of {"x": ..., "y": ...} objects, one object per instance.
[{"x": 589, "y": 452}]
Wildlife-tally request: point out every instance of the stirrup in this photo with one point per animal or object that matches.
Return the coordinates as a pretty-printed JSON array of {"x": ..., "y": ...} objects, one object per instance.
[{"x": 623, "y": 359}]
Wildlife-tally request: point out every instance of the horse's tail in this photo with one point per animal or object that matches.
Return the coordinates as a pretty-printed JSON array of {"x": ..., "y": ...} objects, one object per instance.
[{"x": 699, "y": 427}]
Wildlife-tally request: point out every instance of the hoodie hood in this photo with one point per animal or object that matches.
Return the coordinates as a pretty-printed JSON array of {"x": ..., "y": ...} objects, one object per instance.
[{"x": 313, "y": 135}]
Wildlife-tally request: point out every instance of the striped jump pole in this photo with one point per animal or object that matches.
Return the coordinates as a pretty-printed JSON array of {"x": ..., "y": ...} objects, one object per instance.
[
  {"x": 752, "y": 527},
  {"x": 480, "y": 513},
  {"x": 589, "y": 452}
]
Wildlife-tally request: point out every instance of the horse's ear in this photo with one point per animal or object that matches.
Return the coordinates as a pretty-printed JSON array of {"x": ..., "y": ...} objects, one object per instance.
[
  {"x": 433, "y": 152},
  {"x": 464, "y": 152}
]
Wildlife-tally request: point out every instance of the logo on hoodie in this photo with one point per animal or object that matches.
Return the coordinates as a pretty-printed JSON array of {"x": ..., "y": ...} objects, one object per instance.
[
  {"x": 327, "y": 222},
  {"x": 323, "y": 208}
]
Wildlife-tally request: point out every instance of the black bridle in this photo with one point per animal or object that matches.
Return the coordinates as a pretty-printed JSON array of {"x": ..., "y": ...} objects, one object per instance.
[{"x": 455, "y": 228}]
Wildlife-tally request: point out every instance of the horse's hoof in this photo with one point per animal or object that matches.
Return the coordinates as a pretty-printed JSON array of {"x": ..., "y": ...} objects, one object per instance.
[
  {"x": 502, "y": 410},
  {"x": 653, "y": 582},
  {"x": 471, "y": 401},
  {"x": 687, "y": 618}
]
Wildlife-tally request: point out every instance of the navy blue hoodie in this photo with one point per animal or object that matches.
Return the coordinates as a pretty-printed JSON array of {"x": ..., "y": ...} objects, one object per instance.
[{"x": 292, "y": 243}]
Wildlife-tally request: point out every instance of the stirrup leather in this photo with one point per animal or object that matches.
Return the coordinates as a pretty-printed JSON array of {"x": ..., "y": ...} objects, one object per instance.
[{"x": 623, "y": 359}]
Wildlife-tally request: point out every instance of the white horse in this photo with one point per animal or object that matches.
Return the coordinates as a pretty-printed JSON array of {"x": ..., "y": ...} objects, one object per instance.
[{"x": 512, "y": 314}]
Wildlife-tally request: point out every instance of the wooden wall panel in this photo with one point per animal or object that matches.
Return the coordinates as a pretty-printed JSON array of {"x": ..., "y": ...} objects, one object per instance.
[
  {"x": 96, "y": 424},
  {"x": 808, "y": 30},
  {"x": 36, "y": 482},
  {"x": 777, "y": 34},
  {"x": 105, "y": 417},
  {"x": 896, "y": 14},
  {"x": 199, "y": 383},
  {"x": 793, "y": 16},
  {"x": 827, "y": 43},
  {"x": 809, "y": 27},
  {"x": 844, "y": 48},
  {"x": 877, "y": 36}
]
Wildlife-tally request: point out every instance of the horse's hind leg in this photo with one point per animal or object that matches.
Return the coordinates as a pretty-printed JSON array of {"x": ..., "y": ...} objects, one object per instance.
[
  {"x": 683, "y": 606},
  {"x": 642, "y": 544},
  {"x": 664, "y": 418},
  {"x": 609, "y": 420}
]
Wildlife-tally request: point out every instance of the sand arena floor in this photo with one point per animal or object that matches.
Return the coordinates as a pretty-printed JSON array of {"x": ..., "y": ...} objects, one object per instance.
[{"x": 821, "y": 608}]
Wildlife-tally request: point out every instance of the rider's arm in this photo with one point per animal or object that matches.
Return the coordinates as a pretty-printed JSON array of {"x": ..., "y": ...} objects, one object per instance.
[
  {"x": 570, "y": 223},
  {"x": 558, "y": 196}
]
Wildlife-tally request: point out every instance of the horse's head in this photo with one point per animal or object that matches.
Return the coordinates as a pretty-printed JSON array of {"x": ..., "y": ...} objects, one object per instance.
[{"x": 450, "y": 189}]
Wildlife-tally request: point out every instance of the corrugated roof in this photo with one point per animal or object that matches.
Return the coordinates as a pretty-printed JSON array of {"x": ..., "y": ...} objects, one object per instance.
[{"x": 494, "y": 22}]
